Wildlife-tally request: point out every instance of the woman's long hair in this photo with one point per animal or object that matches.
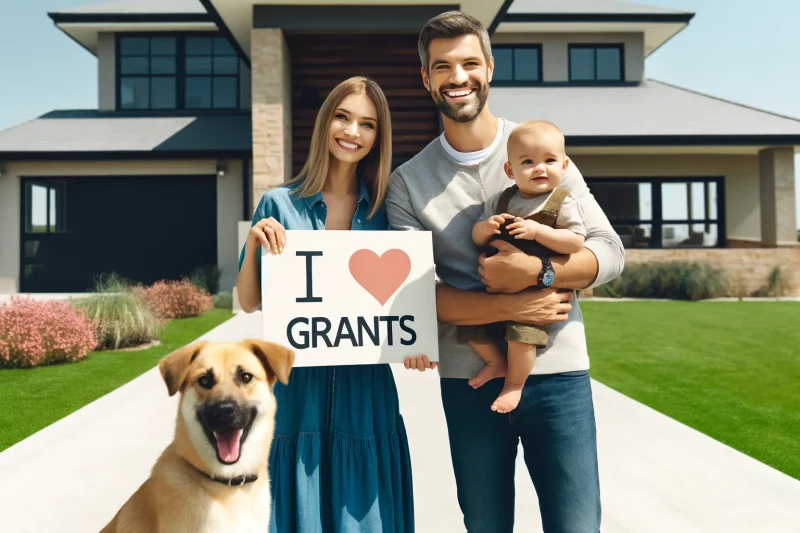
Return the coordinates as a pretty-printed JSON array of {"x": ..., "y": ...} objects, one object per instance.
[{"x": 376, "y": 166}]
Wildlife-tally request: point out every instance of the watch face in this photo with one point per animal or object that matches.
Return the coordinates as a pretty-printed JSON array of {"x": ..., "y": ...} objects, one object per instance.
[{"x": 548, "y": 278}]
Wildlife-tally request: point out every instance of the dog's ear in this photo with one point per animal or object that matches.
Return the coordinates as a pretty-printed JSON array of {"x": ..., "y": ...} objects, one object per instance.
[
  {"x": 175, "y": 366},
  {"x": 276, "y": 359}
]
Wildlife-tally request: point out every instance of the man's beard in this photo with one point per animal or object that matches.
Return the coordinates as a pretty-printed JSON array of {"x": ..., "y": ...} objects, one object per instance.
[{"x": 462, "y": 112}]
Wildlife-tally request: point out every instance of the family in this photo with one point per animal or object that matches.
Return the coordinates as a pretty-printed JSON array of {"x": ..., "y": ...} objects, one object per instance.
[{"x": 515, "y": 232}]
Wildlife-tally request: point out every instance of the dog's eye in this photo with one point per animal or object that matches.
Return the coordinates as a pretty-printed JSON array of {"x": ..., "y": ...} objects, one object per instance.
[
  {"x": 206, "y": 381},
  {"x": 246, "y": 377}
]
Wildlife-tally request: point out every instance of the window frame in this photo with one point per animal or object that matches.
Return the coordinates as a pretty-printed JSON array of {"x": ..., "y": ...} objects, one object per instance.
[
  {"x": 657, "y": 222},
  {"x": 595, "y": 47},
  {"x": 61, "y": 207},
  {"x": 180, "y": 73},
  {"x": 513, "y": 82}
]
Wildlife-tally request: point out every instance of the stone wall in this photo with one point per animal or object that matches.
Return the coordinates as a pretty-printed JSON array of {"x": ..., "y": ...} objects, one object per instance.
[
  {"x": 272, "y": 114},
  {"x": 748, "y": 268}
]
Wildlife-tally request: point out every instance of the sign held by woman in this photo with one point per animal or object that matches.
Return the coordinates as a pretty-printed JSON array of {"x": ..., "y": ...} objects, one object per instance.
[{"x": 342, "y": 298}]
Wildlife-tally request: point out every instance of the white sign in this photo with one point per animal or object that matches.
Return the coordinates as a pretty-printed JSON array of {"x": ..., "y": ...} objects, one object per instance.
[{"x": 351, "y": 297}]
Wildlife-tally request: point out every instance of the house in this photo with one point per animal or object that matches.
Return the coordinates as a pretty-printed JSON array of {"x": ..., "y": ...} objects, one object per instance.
[{"x": 205, "y": 104}]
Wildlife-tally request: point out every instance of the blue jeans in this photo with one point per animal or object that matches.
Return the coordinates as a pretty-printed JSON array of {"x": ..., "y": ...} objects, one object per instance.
[{"x": 555, "y": 421}]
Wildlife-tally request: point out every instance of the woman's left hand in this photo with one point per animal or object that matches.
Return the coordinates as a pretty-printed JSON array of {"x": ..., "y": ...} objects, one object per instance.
[{"x": 419, "y": 362}]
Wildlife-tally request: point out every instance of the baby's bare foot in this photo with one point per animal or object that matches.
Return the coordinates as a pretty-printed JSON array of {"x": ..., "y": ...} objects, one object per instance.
[
  {"x": 509, "y": 398},
  {"x": 493, "y": 369}
]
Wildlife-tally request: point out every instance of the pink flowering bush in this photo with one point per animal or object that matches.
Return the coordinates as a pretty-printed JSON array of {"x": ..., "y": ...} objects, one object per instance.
[
  {"x": 34, "y": 333},
  {"x": 177, "y": 299}
]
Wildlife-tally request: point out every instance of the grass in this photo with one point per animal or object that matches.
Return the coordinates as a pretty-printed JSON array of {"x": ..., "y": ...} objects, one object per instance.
[
  {"x": 728, "y": 369},
  {"x": 34, "y": 398}
]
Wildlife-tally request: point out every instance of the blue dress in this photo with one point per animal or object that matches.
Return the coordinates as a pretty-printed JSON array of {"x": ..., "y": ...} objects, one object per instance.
[{"x": 339, "y": 460}]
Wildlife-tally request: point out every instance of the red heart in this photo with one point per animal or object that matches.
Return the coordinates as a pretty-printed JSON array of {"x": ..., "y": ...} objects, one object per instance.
[{"x": 380, "y": 276}]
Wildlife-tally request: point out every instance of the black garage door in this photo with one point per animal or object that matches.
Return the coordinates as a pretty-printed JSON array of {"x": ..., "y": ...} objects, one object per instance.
[{"x": 142, "y": 228}]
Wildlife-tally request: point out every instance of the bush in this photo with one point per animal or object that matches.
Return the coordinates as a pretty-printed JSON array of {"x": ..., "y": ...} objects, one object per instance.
[
  {"x": 206, "y": 277},
  {"x": 674, "y": 280},
  {"x": 223, "y": 300},
  {"x": 121, "y": 316},
  {"x": 177, "y": 299},
  {"x": 36, "y": 333}
]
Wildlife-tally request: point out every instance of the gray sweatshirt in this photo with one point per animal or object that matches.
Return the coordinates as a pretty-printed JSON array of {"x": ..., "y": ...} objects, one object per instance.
[{"x": 434, "y": 192}]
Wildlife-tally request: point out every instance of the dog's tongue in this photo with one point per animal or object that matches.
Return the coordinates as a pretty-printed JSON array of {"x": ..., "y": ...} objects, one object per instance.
[{"x": 228, "y": 444}]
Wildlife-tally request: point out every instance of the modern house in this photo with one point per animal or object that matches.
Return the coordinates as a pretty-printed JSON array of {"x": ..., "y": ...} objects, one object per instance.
[{"x": 205, "y": 104}]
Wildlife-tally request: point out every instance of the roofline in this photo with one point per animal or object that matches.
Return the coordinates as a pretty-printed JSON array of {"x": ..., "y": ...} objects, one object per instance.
[
  {"x": 681, "y": 140},
  {"x": 725, "y": 100},
  {"x": 123, "y": 155},
  {"x": 99, "y": 18},
  {"x": 226, "y": 31},
  {"x": 501, "y": 14},
  {"x": 682, "y": 18}
]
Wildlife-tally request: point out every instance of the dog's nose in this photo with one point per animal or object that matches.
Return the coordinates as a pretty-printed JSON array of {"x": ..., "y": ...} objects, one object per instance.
[{"x": 223, "y": 411}]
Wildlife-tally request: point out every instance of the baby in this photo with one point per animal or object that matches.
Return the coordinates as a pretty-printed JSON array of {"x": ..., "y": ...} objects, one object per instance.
[{"x": 540, "y": 219}]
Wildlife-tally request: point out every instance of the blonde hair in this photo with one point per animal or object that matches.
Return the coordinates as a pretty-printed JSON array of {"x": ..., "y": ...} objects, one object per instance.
[
  {"x": 534, "y": 126},
  {"x": 374, "y": 169}
]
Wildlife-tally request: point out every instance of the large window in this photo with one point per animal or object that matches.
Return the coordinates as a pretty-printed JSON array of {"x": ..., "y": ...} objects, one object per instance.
[
  {"x": 177, "y": 72},
  {"x": 517, "y": 65},
  {"x": 663, "y": 213},
  {"x": 596, "y": 63}
]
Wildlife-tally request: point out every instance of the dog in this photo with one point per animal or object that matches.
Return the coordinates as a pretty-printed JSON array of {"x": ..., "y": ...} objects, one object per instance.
[{"x": 213, "y": 476}]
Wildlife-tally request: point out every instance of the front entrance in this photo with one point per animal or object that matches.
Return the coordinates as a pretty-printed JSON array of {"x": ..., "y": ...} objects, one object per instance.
[{"x": 143, "y": 228}]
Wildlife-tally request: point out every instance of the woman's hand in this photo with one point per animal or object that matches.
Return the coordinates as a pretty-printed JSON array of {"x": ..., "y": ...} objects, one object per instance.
[
  {"x": 419, "y": 362},
  {"x": 269, "y": 233}
]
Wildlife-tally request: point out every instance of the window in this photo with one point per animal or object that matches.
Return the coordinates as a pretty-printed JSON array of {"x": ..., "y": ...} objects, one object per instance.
[
  {"x": 45, "y": 207},
  {"x": 663, "y": 213},
  {"x": 177, "y": 72},
  {"x": 596, "y": 62},
  {"x": 517, "y": 65}
]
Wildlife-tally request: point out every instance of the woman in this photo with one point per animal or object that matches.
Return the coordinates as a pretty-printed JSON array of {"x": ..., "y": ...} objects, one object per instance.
[{"x": 339, "y": 461}]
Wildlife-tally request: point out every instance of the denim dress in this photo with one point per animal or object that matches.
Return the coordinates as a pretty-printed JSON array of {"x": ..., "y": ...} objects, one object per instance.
[{"x": 339, "y": 461}]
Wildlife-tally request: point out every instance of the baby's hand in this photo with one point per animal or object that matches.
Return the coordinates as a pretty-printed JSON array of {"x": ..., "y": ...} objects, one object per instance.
[
  {"x": 419, "y": 362},
  {"x": 524, "y": 229},
  {"x": 493, "y": 224}
]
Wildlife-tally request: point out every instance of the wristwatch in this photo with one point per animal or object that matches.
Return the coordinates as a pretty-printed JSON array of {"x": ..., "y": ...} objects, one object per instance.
[{"x": 547, "y": 275}]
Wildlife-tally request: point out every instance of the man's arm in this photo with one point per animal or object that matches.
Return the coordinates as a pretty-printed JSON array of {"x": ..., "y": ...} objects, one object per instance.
[{"x": 468, "y": 308}]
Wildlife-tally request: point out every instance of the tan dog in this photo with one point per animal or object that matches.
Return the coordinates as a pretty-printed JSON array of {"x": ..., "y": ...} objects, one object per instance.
[{"x": 213, "y": 477}]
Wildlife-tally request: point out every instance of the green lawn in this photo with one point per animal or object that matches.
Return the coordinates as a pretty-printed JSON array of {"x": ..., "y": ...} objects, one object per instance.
[
  {"x": 728, "y": 369},
  {"x": 32, "y": 399}
]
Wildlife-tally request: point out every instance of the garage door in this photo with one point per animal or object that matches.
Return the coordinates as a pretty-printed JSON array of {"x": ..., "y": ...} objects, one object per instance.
[{"x": 142, "y": 228}]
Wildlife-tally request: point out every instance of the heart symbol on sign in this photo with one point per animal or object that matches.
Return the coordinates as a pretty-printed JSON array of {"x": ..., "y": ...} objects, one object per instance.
[{"x": 380, "y": 276}]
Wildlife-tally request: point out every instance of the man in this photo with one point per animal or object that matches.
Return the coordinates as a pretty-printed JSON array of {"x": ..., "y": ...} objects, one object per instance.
[{"x": 442, "y": 190}]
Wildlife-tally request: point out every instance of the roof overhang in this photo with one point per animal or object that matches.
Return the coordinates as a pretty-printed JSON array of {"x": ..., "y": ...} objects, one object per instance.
[
  {"x": 84, "y": 28},
  {"x": 235, "y": 17},
  {"x": 656, "y": 31},
  {"x": 669, "y": 150}
]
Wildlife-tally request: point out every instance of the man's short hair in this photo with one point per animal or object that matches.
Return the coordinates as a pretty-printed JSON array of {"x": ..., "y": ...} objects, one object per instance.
[{"x": 448, "y": 26}]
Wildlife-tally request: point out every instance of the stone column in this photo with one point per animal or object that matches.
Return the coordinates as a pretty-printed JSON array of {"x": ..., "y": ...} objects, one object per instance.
[
  {"x": 272, "y": 116},
  {"x": 776, "y": 181}
]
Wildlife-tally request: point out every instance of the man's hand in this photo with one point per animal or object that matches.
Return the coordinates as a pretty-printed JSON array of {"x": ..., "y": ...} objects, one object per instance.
[
  {"x": 538, "y": 307},
  {"x": 524, "y": 229},
  {"x": 509, "y": 270},
  {"x": 419, "y": 362}
]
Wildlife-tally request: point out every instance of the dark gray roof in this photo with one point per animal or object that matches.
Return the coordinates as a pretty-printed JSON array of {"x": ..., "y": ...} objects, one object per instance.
[
  {"x": 606, "y": 7},
  {"x": 139, "y": 6},
  {"x": 79, "y": 133},
  {"x": 651, "y": 109}
]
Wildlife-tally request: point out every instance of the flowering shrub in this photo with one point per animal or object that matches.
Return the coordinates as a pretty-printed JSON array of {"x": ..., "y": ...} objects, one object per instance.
[
  {"x": 36, "y": 333},
  {"x": 177, "y": 299}
]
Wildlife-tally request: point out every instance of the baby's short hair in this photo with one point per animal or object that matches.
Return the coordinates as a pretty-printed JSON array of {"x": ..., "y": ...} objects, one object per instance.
[{"x": 533, "y": 126}]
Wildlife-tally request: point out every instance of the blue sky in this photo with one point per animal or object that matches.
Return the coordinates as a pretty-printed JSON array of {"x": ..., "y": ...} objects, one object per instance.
[{"x": 731, "y": 49}]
